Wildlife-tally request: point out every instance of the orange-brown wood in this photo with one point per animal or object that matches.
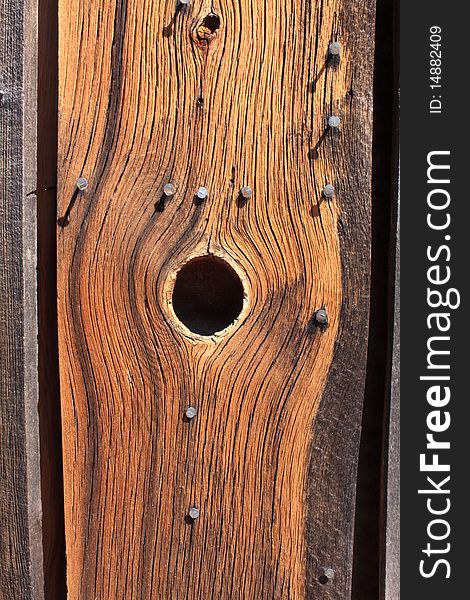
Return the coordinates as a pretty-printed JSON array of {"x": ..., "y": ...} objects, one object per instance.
[{"x": 218, "y": 94}]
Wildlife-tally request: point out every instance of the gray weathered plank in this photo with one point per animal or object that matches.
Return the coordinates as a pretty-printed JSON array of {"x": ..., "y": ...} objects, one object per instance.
[
  {"x": 392, "y": 524},
  {"x": 20, "y": 498}
]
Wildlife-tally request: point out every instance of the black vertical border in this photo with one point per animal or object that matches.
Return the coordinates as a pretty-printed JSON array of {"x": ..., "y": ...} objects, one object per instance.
[{"x": 421, "y": 133}]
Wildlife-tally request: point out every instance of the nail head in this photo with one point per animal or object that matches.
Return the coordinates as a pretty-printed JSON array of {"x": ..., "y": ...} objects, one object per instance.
[
  {"x": 246, "y": 192},
  {"x": 202, "y": 193},
  {"x": 191, "y": 412},
  {"x": 193, "y": 513},
  {"x": 321, "y": 317},
  {"x": 169, "y": 189},
  {"x": 326, "y": 576},
  {"x": 334, "y": 121},
  {"x": 334, "y": 48},
  {"x": 328, "y": 191},
  {"x": 82, "y": 183}
]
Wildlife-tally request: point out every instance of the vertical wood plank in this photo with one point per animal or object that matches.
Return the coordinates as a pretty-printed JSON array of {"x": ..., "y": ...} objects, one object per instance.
[
  {"x": 392, "y": 520},
  {"x": 219, "y": 94},
  {"x": 20, "y": 497},
  {"x": 370, "y": 502}
]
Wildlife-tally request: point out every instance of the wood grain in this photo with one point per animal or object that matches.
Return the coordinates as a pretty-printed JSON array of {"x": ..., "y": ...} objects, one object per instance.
[
  {"x": 392, "y": 466},
  {"x": 21, "y": 573},
  {"x": 149, "y": 94}
]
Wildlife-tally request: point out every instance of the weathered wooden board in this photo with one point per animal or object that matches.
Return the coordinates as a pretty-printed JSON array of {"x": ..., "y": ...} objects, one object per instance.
[
  {"x": 20, "y": 491},
  {"x": 392, "y": 467},
  {"x": 216, "y": 94}
]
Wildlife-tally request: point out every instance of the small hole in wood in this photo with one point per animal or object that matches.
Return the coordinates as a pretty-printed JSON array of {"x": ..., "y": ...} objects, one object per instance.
[
  {"x": 212, "y": 22},
  {"x": 326, "y": 576},
  {"x": 208, "y": 295},
  {"x": 207, "y": 29}
]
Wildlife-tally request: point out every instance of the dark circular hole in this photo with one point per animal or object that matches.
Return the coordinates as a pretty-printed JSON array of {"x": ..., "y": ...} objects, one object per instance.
[
  {"x": 323, "y": 579},
  {"x": 212, "y": 22},
  {"x": 208, "y": 295}
]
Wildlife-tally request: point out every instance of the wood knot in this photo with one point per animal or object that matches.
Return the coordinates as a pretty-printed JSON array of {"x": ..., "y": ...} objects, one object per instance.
[{"x": 206, "y": 31}]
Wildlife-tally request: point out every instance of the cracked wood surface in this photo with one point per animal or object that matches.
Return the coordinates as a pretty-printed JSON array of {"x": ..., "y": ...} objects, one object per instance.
[{"x": 220, "y": 94}]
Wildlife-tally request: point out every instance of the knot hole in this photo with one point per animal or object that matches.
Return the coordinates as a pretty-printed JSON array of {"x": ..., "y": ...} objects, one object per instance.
[{"x": 208, "y": 28}]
